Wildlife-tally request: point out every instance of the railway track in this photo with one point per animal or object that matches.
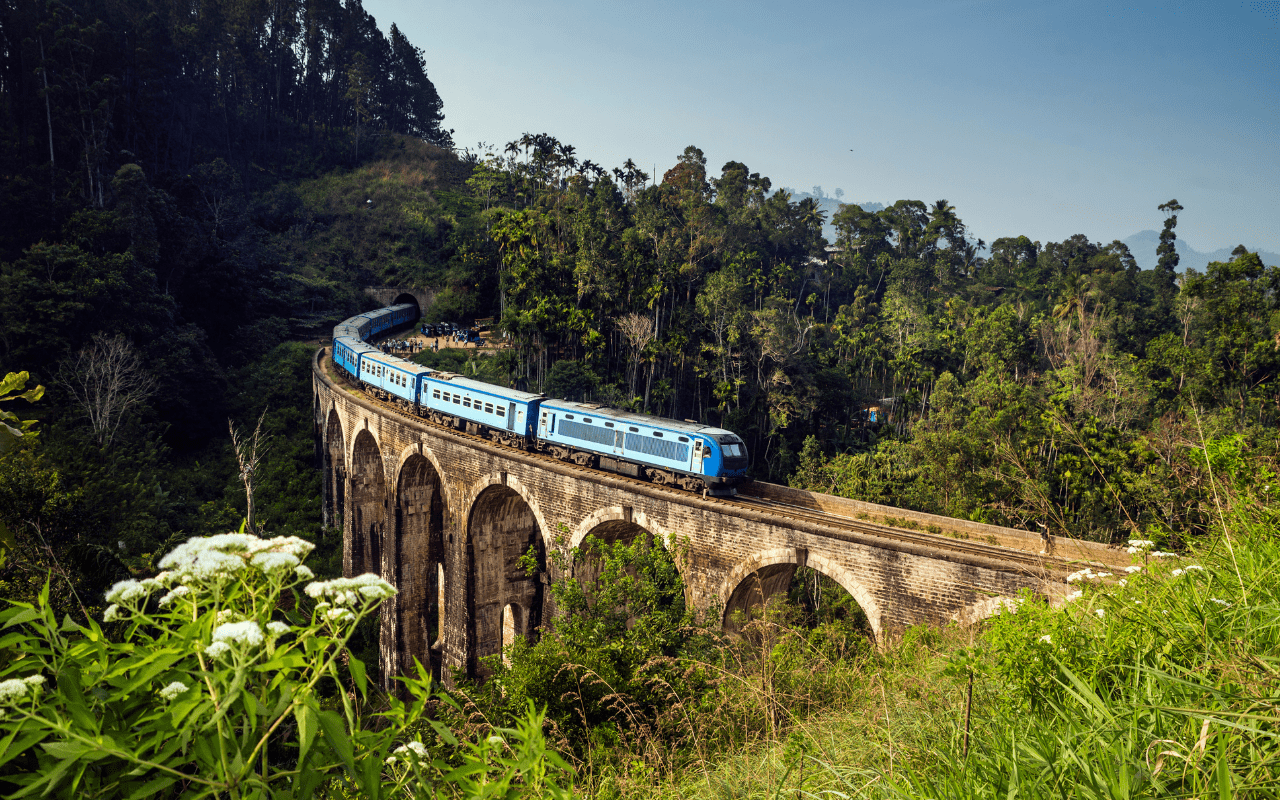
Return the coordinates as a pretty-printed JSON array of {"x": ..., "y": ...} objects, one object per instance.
[{"x": 816, "y": 521}]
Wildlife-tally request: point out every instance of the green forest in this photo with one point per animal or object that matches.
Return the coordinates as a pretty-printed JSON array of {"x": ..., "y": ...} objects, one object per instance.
[{"x": 193, "y": 194}]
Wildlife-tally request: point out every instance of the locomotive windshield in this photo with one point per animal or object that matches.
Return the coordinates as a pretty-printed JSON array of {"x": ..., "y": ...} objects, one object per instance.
[{"x": 732, "y": 446}]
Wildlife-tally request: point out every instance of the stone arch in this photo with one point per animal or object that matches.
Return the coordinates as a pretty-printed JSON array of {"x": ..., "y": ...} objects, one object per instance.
[
  {"x": 415, "y": 560},
  {"x": 760, "y": 577},
  {"x": 610, "y": 514},
  {"x": 513, "y": 483},
  {"x": 613, "y": 524},
  {"x": 501, "y": 527},
  {"x": 368, "y": 507},
  {"x": 334, "y": 455}
]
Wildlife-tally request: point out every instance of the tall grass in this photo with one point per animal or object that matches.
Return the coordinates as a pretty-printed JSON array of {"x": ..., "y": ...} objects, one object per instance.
[{"x": 1166, "y": 686}]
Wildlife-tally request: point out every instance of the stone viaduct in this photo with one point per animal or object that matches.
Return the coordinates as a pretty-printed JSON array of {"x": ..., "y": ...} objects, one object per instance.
[{"x": 446, "y": 517}]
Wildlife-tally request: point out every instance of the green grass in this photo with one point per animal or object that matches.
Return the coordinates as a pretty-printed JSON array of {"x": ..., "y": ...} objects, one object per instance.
[{"x": 1172, "y": 691}]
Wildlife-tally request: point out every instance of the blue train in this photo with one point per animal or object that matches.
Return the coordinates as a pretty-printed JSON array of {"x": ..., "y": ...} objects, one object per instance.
[{"x": 685, "y": 454}]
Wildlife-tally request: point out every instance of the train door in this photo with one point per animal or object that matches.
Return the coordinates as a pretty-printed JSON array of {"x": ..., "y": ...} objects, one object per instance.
[
  {"x": 542, "y": 426},
  {"x": 511, "y": 416},
  {"x": 617, "y": 443},
  {"x": 697, "y": 455}
]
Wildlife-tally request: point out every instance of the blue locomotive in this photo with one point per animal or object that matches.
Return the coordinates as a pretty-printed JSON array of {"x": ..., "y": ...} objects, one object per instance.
[{"x": 685, "y": 454}]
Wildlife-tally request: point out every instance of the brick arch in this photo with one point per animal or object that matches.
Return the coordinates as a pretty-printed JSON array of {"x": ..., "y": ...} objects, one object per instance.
[
  {"x": 468, "y": 504},
  {"x": 334, "y": 458},
  {"x": 412, "y": 620},
  {"x": 771, "y": 565},
  {"x": 367, "y": 511},
  {"x": 617, "y": 513},
  {"x": 502, "y": 523}
]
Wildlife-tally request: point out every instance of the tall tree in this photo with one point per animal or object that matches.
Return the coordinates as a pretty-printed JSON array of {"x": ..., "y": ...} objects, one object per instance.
[{"x": 1167, "y": 266}]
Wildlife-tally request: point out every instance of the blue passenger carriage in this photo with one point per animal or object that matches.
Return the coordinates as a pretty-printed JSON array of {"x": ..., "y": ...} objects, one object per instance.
[
  {"x": 393, "y": 379},
  {"x": 666, "y": 451},
  {"x": 504, "y": 415},
  {"x": 347, "y": 352}
]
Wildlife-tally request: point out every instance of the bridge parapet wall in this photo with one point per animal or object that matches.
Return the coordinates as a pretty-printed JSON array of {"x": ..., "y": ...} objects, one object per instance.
[{"x": 1086, "y": 552}]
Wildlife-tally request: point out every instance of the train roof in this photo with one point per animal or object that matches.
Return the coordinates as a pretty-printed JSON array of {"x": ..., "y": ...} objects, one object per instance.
[
  {"x": 592, "y": 409},
  {"x": 455, "y": 379},
  {"x": 399, "y": 363},
  {"x": 356, "y": 343}
]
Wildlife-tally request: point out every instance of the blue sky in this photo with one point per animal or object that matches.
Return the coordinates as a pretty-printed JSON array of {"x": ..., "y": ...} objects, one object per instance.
[{"x": 1039, "y": 119}]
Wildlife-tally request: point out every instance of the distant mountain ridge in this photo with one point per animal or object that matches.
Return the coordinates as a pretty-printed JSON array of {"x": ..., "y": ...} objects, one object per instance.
[{"x": 1143, "y": 246}]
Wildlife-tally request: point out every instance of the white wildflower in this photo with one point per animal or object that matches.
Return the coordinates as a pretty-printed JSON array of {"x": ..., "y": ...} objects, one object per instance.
[
  {"x": 217, "y": 557},
  {"x": 1100, "y": 612},
  {"x": 1102, "y": 574},
  {"x": 1046, "y": 639},
  {"x": 391, "y": 760},
  {"x": 1123, "y": 582},
  {"x": 112, "y": 613},
  {"x": 1195, "y": 567},
  {"x": 417, "y": 748},
  {"x": 225, "y": 615},
  {"x": 1222, "y": 603},
  {"x": 347, "y": 591},
  {"x": 247, "y": 632},
  {"x": 1132, "y": 569},
  {"x": 1074, "y": 596},
  {"x": 125, "y": 591},
  {"x": 275, "y": 629},
  {"x": 1138, "y": 545},
  {"x": 217, "y": 650},
  {"x": 34, "y": 680},
  {"x": 1162, "y": 554},
  {"x": 173, "y": 690},
  {"x": 1177, "y": 572},
  {"x": 339, "y": 614},
  {"x": 13, "y": 689},
  {"x": 180, "y": 590},
  {"x": 303, "y": 572},
  {"x": 271, "y": 561}
]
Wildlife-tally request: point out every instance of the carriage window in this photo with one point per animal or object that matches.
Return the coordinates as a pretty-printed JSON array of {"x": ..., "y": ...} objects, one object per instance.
[
  {"x": 435, "y": 393},
  {"x": 501, "y": 411},
  {"x": 608, "y": 424},
  {"x": 657, "y": 433},
  {"x": 456, "y": 399},
  {"x": 684, "y": 438},
  {"x": 466, "y": 402},
  {"x": 587, "y": 420},
  {"x": 488, "y": 408},
  {"x": 634, "y": 430},
  {"x": 568, "y": 416}
]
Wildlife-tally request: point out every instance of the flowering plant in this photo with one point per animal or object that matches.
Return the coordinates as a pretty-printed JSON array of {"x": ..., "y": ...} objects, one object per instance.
[{"x": 227, "y": 681}]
